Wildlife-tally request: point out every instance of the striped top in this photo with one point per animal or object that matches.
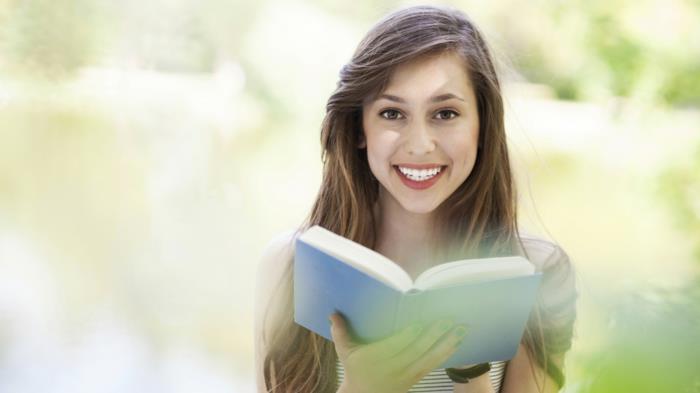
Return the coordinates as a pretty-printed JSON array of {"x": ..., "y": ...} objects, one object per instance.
[{"x": 437, "y": 380}]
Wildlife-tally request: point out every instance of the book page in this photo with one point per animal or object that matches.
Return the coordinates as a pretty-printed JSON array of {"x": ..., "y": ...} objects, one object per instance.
[
  {"x": 472, "y": 270},
  {"x": 358, "y": 256}
]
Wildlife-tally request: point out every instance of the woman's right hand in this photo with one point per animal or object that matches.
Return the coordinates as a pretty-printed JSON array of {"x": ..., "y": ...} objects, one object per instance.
[{"x": 395, "y": 363}]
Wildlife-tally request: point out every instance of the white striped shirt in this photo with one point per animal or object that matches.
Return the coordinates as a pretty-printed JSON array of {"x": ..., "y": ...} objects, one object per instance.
[{"x": 438, "y": 382}]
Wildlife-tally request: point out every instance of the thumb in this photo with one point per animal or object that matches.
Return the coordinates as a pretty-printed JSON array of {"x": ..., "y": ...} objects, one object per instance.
[{"x": 339, "y": 333}]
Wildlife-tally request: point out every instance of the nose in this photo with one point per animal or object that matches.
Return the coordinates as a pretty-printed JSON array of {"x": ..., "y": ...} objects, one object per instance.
[{"x": 420, "y": 139}]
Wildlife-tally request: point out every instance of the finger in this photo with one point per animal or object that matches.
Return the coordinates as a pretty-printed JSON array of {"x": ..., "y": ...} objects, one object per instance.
[
  {"x": 425, "y": 341},
  {"x": 440, "y": 352},
  {"x": 394, "y": 344},
  {"x": 339, "y": 333}
]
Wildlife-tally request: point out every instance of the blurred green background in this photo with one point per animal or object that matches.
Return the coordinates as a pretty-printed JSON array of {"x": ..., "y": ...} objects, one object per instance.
[{"x": 150, "y": 150}]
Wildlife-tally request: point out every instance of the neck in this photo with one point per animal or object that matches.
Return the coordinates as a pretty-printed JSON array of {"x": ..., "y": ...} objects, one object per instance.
[{"x": 403, "y": 236}]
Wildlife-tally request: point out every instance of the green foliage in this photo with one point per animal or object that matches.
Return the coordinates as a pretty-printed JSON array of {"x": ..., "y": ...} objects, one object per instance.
[
  {"x": 589, "y": 48},
  {"x": 653, "y": 345},
  {"x": 682, "y": 85},
  {"x": 537, "y": 67},
  {"x": 621, "y": 54},
  {"x": 679, "y": 186},
  {"x": 49, "y": 37}
]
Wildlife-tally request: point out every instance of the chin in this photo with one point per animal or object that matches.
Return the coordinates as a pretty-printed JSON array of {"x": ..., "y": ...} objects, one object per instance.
[{"x": 419, "y": 208}]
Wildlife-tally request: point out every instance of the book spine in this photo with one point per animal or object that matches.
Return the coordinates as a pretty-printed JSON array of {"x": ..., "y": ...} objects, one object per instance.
[{"x": 409, "y": 309}]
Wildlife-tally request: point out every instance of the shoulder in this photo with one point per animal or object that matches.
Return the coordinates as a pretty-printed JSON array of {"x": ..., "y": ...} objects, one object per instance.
[
  {"x": 279, "y": 251},
  {"x": 281, "y": 244},
  {"x": 270, "y": 282},
  {"x": 558, "y": 292},
  {"x": 274, "y": 262},
  {"x": 545, "y": 254}
]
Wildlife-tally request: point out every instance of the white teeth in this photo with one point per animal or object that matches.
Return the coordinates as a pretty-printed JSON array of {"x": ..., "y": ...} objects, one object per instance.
[{"x": 420, "y": 175}]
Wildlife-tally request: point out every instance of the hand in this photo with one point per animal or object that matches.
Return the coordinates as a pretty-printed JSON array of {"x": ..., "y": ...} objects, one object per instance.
[{"x": 395, "y": 363}]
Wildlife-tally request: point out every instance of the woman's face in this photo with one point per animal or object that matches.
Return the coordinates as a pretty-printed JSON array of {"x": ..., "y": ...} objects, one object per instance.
[{"x": 426, "y": 117}]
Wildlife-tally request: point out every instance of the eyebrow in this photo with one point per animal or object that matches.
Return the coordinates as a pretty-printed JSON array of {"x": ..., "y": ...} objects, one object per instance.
[{"x": 441, "y": 97}]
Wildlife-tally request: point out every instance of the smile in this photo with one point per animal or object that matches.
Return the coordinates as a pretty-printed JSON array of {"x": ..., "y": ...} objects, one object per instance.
[
  {"x": 419, "y": 174},
  {"x": 419, "y": 179}
]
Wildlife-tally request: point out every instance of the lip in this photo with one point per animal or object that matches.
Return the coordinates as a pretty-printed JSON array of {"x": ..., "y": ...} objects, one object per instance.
[{"x": 419, "y": 185}]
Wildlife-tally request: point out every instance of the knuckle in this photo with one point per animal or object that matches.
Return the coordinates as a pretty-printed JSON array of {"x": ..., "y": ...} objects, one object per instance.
[
  {"x": 442, "y": 350},
  {"x": 424, "y": 343},
  {"x": 442, "y": 327}
]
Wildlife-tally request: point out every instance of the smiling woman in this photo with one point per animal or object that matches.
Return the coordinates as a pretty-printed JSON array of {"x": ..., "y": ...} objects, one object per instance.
[{"x": 416, "y": 168}]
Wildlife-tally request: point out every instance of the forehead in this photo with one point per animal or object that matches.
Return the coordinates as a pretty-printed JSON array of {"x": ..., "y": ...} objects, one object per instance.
[{"x": 426, "y": 75}]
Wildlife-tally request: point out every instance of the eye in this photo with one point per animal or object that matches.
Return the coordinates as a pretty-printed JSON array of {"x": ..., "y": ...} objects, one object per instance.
[
  {"x": 451, "y": 114},
  {"x": 393, "y": 114}
]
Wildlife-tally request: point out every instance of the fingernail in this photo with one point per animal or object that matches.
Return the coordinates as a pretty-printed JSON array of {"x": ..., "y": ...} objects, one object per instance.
[
  {"x": 330, "y": 320},
  {"x": 460, "y": 331}
]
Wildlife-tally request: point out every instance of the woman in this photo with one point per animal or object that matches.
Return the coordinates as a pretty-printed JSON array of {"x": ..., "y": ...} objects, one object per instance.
[{"x": 415, "y": 167}]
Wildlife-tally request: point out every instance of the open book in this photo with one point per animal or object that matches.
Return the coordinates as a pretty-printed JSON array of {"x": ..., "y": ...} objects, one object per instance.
[{"x": 492, "y": 296}]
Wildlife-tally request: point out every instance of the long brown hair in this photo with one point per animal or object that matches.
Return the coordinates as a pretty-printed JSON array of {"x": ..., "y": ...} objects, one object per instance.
[{"x": 478, "y": 219}]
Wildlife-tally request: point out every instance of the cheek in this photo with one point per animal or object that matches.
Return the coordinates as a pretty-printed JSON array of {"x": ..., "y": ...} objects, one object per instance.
[
  {"x": 462, "y": 151},
  {"x": 380, "y": 148}
]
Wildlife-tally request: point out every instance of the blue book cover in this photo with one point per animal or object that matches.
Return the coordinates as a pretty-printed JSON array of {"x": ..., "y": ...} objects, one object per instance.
[{"x": 495, "y": 309}]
